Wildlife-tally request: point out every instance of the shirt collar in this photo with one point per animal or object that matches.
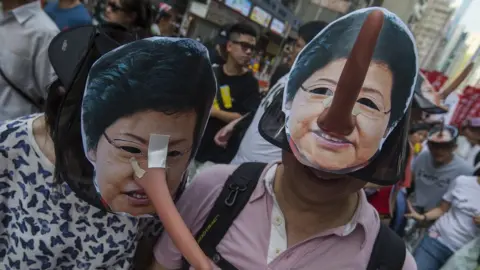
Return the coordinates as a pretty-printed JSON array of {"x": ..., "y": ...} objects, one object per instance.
[
  {"x": 25, "y": 12},
  {"x": 364, "y": 215}
]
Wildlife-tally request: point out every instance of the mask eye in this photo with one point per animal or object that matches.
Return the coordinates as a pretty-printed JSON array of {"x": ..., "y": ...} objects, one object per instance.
[
  {"x": 130, "y": 149},
  {"x": 322, "y": 91},
  {"x": 174, "y": 153},
  {"x": 367, "y": 102}
]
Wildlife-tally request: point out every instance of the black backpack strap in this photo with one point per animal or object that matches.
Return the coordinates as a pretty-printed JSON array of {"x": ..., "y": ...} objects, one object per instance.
[
  {"x": 38, "y": 105},
  {"x": 389, "y": 251},
  {"x": 232, "y": 199}
]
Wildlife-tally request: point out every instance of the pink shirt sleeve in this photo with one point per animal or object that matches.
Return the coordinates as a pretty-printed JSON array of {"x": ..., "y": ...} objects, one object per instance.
[
  {"x": 410, "y": 263},
  {"x": 194, "y": 206}
]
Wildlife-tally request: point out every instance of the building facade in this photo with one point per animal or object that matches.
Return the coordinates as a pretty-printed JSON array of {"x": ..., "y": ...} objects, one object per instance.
[{"x": 430, "y": 31}]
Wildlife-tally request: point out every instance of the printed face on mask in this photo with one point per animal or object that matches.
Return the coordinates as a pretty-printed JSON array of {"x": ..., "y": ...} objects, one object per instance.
[
  {"x": 371, "y": 113},
  {"x": 128, "y": 138}
]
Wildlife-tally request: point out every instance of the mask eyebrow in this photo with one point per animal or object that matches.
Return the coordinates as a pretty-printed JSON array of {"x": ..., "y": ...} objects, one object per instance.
[
  {"x": 174, "y": 142},
  {"x": 171, "y": 143}
]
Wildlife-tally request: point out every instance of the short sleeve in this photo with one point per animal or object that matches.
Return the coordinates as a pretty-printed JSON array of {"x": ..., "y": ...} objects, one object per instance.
[
  {"x": 194, "y": 206},
  {"x": 448, "y": 196},
  {"x": 417, "y": 162},
  {"x": 409, "y": 263}
]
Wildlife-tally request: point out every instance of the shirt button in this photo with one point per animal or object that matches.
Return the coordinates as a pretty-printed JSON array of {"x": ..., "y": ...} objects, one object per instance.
[
  {"x": 278, "y": 221},
  {"x": 277, "y": 251}
]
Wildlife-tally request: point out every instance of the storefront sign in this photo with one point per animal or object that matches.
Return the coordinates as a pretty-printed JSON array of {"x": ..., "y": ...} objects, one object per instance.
[
  {"x": 340, "y": 6},
  {"x": 260, "y": 16},
  {"x": 242, "y": 6},
  {"x": 278, "y": 27},
  {"x": 221, "y": 15}
]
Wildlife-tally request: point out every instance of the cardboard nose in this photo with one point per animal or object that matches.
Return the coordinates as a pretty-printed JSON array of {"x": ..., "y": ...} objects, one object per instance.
[
  {"x": 155, "y": 185},
  {"x": 338, "y": 118}
]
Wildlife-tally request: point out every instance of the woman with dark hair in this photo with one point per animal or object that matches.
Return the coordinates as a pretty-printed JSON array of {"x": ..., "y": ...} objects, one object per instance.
[
  {"x": 52, "y": 216},
  {"x": 134, "y": 15}
]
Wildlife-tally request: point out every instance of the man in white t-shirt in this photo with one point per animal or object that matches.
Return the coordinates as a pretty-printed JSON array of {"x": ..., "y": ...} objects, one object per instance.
[{"x": 458, "y": 222}]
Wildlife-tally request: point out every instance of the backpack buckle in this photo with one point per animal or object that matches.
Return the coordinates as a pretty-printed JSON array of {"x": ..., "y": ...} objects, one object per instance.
[{"x": 234, "y": 190}]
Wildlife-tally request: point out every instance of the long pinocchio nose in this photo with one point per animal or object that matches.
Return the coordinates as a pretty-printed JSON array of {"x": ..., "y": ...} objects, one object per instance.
[{"x": 338, "y": 118}]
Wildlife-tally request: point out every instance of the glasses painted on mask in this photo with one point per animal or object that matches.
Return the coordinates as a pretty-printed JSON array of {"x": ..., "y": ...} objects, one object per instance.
[
  {"x": 129, "y": 149},
  {"x": 365, "y": 106}
]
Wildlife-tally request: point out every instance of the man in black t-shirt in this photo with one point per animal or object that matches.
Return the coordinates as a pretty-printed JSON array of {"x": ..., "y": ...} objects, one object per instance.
[{"x": 238, "y": 93}]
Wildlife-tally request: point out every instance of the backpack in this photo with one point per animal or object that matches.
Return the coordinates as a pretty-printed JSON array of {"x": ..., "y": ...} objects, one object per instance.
[{"x": 388, "y": 252}]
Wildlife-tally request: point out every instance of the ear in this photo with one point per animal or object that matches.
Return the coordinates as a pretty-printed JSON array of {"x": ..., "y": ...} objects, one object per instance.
[
  {"x": 92, "y": 155},
  {"x": 229, "y": 46}
]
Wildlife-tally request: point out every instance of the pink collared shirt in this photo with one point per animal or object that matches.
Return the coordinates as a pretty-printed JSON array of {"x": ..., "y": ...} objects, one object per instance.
[{"x": 248, "y": 243}]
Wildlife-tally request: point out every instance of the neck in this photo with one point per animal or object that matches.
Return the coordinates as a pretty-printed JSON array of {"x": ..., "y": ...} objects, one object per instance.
[
  {"x": 306, "y": 216},
  {"x": 231, "y": 68},
  {"x": 437, "y": 165},
  {"x": 43, "y": 139},
  {"x": 68, "y": 3},
  {"x": 12, "y": 4}
]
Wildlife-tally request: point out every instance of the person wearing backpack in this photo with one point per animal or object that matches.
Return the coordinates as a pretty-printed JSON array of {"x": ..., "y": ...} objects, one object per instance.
[{"x": 341, "y": 124}]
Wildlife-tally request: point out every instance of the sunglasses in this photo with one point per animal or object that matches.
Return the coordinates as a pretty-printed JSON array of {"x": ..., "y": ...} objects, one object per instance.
[
  {"x": 244, "y": 45},
  {"x": 114, "y": 6}
]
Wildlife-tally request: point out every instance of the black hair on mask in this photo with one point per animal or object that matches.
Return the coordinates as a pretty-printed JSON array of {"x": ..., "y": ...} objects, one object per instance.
[
  {"x": 125, "y": 78},
  {"x": 394, "y": 48}
]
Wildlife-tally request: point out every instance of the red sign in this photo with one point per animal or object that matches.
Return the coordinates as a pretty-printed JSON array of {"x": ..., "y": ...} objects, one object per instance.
[
  {"x": 436, "y": 78},
  {"x": 468, "y": 106}
]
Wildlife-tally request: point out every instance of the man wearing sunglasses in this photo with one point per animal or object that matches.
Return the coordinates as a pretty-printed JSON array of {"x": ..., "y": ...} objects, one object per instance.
[
  {"x": 435, "y": 168},
  {"x": 237, "y": 95}
]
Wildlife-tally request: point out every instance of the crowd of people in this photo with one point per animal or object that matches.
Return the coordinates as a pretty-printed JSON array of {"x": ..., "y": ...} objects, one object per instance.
[{"x": 111, "y": 132}]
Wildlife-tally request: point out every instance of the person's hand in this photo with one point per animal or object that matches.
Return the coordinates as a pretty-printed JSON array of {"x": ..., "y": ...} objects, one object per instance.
[
  {"x": 413, "y": 213},
  {"x": 224, "y": 134},
  {"x": 476, "y": 220}
]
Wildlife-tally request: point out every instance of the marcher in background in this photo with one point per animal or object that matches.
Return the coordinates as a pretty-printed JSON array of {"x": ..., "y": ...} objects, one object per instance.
[
  {"x": 434, "y": 169},
  {"x": 217, "y": 47},
  {"x": 305, "y": 33},
  {"x": 164, "y": 22},
  {"x": 254, "y": 148},
  {"x": 238, "y": 94},
  {"x": 457, "y": 223},
  {"x": 25, "y": 70},
  {"x": 469, "y": 141},
  {"x": 136, "y": 16},
  {"x": 68, "y": 13}
]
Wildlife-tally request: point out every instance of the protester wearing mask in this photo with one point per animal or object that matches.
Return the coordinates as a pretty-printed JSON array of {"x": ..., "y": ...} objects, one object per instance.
[
  {"x": 25, "y": 71},
  {"x": 68, "y": 13},
  {"x": 308, "y": 210},
  {"x": 253, "y": 147},
  {"x": 457, "y": 222},
  {"x": 54, "y": 216},
  {"x": 435, "y": 168}
]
